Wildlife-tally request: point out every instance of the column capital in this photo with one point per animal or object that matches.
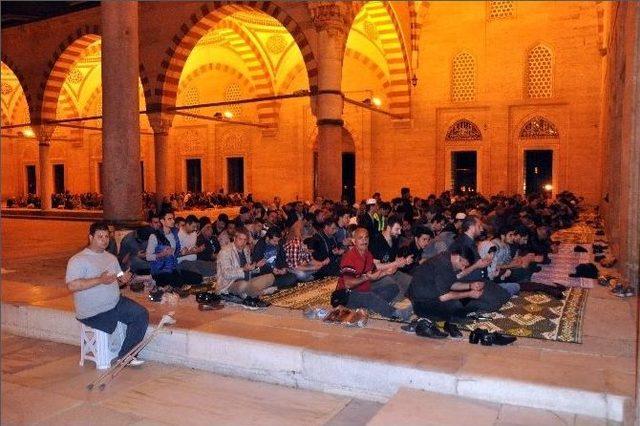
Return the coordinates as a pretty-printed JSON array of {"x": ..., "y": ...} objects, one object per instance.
[
  {"x": 161, "y": 122},
  {"x": 333, "y": 17}
]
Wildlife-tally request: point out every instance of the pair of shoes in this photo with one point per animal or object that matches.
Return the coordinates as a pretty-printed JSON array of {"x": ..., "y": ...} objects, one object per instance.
[
  {"x": 427, "y": 328},
  {"x": 453, "y": 330},
  {"x": 482, "y": 336}
]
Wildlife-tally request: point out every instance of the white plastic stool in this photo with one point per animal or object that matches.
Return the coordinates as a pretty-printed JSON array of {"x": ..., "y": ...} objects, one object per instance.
[{"x": 100, "y": 347}]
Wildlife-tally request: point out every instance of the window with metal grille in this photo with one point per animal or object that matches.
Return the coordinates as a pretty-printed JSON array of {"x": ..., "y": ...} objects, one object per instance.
[
  {"x": 539, "y": 75},
  {"x": 501, "y": 9},
  {"x": 463, "y": 78},
  {"x": 463, "y": 130}
]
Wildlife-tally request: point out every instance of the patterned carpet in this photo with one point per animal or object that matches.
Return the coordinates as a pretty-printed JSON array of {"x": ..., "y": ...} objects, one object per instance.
[
  {"x": 539, "y": 316},
  {"x": 533, "y": 315}
]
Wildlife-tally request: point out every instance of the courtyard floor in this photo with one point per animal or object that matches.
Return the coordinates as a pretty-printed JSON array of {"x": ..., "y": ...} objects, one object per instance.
[{"x": 34, "y": 256}]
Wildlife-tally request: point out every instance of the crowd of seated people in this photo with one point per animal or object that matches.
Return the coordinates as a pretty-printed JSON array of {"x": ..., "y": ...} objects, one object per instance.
[
  {"x": 93, "y": 201},
  {"x": 451, "y": 255},
  {"x": 30, "y": 201}
]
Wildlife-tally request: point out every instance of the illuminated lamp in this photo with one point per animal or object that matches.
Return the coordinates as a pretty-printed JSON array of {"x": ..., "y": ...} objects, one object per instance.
[
  {"x": 28, "y": 133},
  {"x": 228, "y": 115},
  {"x": 548, "y": 187},
  {"x": 376, "y": 101}
]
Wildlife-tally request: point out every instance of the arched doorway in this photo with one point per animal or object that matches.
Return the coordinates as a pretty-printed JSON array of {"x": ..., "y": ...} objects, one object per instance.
[{"x": 19, "y": 146}]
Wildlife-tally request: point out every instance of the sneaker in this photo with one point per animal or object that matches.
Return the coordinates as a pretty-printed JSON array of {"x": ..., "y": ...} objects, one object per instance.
[
  {"x": 453, "y": 330},
  {"x": 629, "y": 292},
  {"x": 135, "y": 362}
]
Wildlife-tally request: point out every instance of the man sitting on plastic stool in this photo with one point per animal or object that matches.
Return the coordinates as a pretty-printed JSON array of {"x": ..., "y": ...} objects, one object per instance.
[{"x": 93, "y": 276}]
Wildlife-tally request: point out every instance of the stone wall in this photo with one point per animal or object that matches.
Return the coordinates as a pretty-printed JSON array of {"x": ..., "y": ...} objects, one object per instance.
[
  {"x": 621, "y": 129},
  {"x": 390, "y": 153}
]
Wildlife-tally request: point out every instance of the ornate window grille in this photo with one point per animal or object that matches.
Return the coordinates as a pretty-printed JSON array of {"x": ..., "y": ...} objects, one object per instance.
[
  {"x": 501, "y": 9},
  {"x": 463, "y": 130},
  {"x": 539, "y": 128},
  {"x": 539, "y": 81},
  {"x": 463, "y": 78}
]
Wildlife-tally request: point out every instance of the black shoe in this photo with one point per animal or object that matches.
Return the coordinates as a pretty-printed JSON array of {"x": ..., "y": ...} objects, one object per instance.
[
  {"x": 501, "y": 339},
  {"x": 477, "y": 335},
  {"x": 254, "y": 303},
  {"x": 427, "y": 328},
  {"x": 453, "y": 330}
]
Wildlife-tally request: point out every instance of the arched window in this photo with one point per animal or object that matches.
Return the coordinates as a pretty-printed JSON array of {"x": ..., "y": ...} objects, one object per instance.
[
  {"x": 539, "y": 76},
  {"x": 501, "y": 9},
  {"x": 463, "y": 130},
  {"x": 463, "y": 78},
  {"x": 539, "y": 128}
]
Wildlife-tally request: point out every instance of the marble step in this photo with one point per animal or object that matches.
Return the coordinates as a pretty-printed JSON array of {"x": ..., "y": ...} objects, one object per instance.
[
  {"x": 414, "y": 407},
  {"x": 291, "y": 361}
]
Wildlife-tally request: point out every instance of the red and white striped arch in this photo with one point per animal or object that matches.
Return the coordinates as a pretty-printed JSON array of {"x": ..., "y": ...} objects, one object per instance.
[
  {"x": 63, "y": 60},
  {"x": 207, "y": 18},
  {"x": 382, "y": 15}
]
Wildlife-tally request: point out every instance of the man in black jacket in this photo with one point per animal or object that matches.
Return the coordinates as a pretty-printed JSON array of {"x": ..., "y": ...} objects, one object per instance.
[
  {"x": 465, "y": 244},
  {"x": 270, "y": 249},
  {"x": 324, "y": 247},
  {"x": 437, "y": 294}
]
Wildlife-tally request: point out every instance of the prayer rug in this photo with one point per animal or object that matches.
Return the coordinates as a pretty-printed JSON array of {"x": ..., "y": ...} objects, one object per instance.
[
  {"x": 305, "y": 295},
  {"x": 562, "y": 264},
  {"x": 540, "y": 316},
  {"x": 534, "y": 315}
]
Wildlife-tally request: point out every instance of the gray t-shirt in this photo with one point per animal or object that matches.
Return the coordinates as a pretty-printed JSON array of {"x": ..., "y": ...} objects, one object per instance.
[{"x": 98, "y": 299}]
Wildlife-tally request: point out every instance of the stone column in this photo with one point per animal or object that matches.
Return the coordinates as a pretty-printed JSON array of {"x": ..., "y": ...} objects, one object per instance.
[
  {"x": 121, "y": 120},
  {"x": 332, "y": 21},
  {"x": 44, "y": 180},
  {"x": 164, "y": 157}
]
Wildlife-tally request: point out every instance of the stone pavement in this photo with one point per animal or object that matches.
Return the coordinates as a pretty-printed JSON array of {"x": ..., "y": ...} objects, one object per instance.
[{"x": 42, "y": 383}]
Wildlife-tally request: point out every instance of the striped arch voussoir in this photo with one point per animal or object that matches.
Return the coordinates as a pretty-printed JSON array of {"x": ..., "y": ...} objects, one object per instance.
[
  {"x": 206, "y": 18},
  {"x": 383, "y": 16},
  {"x": 25, "y": 89},
  {"x": 62, "y": 61}
]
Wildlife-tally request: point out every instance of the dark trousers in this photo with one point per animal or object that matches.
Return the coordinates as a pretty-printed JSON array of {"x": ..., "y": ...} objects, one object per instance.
[
  {"x": 493, "y": 297},
  {"x": 178, "y": 278},
  {"x": 285, "y": 281},
  {"x": 377, "y": 300},
  {"x": 135, "y": 316},
  {"x": 330, "y": 270},
  {"x": 518, "y": 275},
  {"x": 436, "y": 310}
]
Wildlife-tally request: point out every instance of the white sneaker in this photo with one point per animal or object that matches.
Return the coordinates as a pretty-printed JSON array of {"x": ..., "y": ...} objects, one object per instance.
[{"x": 135, "y": 362}]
